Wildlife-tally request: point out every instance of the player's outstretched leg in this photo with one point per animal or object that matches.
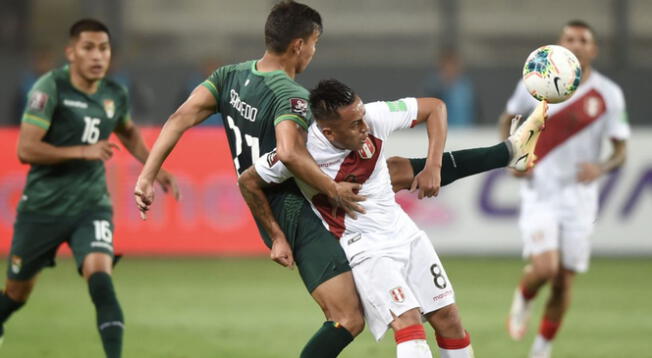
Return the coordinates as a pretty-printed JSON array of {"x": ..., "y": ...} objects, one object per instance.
[
  {"x": 110, "y": 321},
  {"x": 453, "y": 340},
  {"x": 12, "y": 299},
  {"x": 338, "y": 299},
  {"x": 524, "y": 138}
]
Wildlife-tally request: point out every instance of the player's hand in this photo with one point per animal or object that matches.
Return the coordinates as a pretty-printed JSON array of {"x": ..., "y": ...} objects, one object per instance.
[
  {"x": 102, "y": 150},
  {"x": 428, "y": 182},
  {"x": 281, "y": 252},
  {"x": 144, "y": 195},
  {"x": 168, "y": 183},
  {"x": 347, "y": 198},
  {"x": 588, "y": 172}
]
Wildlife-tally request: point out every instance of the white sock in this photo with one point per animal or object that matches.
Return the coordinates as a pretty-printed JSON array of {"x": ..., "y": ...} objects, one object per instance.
[
  {"x": 466, "y": 352},
  {"x": 540, "y": 346},
  {"x": 417, "y": 348}
]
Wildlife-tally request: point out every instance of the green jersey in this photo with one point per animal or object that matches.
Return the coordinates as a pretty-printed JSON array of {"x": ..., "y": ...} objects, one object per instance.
[
  {"x": 71, "y": 117},
  {"x": 251, "y": 104}
]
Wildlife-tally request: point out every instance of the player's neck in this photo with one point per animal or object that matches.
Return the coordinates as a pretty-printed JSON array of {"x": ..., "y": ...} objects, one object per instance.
[
  {"x": 586, "y": 73},
  {"x": 272, "y": 62},
  {"x": 83, "y": 84}
]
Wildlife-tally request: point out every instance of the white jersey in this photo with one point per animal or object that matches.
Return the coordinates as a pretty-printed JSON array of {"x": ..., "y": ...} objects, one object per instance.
[
  {"x": 385, "y": 223},
  {"x": 574, "y": 131}
]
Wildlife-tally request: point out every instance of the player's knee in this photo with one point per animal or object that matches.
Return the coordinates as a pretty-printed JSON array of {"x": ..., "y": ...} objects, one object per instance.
[
  {"x": 18, "y": 291},
  {"x": 354, "y": 323},
  {"x": 407, "y": 319},
  {"x": 547, "y": 272},
  {"x": 447, "y": 322}
]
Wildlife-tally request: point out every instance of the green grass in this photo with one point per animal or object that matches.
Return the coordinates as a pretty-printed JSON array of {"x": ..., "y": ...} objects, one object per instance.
[{"x": 254, "y": 308}]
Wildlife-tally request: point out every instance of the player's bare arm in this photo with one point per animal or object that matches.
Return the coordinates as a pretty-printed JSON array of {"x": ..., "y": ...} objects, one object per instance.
[
  {"x": 433, "y": 112},
  {"x": 130, "y": 137},
  {"x": 33, "y": 150},
  {"x": 291, "y": 150},
  {"x": 588, "y": 172},
  {"x": 199, "y": 106},
  {"x": 251, "y": 186}
]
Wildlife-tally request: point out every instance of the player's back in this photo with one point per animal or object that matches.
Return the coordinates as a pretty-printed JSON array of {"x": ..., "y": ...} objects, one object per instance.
[{"x": 251, "y": 102}]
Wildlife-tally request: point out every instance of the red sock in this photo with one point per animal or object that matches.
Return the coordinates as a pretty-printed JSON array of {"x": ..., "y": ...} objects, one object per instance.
[
  {"x": 548, "y": 329},
  {"x": 453, "y": 343},
  {"x": 527, "y": 294},
  {"x": 410, "y": 333}
]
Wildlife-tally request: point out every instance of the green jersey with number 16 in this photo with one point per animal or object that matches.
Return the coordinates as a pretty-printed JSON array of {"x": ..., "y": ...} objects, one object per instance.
[
  {"x": 251, "y": 104},
  {"x": 71, "y": 117}
]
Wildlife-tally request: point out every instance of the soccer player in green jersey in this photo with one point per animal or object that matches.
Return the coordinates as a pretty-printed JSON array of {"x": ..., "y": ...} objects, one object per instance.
[
  {"x": 70, "y": 113},
  {"x": 263, "y": 108}
]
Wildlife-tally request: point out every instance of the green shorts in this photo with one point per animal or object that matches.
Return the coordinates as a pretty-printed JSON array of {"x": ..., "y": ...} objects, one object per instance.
[
  {"x": 317, "y": 253},
  {"x": 37, "y": 238}
]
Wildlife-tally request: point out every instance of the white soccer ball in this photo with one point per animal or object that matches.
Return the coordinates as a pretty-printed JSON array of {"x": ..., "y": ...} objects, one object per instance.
[{"x": 552, "y": 73}]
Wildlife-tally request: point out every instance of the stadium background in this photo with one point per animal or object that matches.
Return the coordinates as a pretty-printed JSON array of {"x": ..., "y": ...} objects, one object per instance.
[{"x": 384, "y": 49}]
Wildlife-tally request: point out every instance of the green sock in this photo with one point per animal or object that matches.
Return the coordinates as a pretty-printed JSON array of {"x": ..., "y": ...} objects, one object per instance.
[
  {"x": 327, "y": 342},
  {"x": 463, "y": 163},
  {"x": 110, "y": 321},
  {"x": 7, "y": 307}
]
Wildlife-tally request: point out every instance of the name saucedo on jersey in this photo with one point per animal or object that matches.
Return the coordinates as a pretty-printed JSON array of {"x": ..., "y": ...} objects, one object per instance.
[{"x": 246, "y": 110}]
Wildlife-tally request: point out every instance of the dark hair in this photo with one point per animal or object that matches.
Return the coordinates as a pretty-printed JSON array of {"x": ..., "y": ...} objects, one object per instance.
[
  {"x": 287, "y": 21},
  {"x": 328, "y": 97},
  {"x": 90, "y": 25},
  {"x": 582, "y": 24}
]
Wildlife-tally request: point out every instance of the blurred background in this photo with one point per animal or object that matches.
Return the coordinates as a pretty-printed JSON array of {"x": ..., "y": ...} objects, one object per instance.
[{"x": 468, "y": 52}]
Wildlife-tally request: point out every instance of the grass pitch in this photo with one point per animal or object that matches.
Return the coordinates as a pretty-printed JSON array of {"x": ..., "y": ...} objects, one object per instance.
[{"x": 246, "y": 308}]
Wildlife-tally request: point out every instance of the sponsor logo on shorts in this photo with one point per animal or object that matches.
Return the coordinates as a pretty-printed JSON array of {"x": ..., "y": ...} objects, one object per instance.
[
  {"x": 299, "y": 106},
  {"x": 103, "y": 245},
  {"x": 37, "y": 101},
  {"x": 16, "y": 264},
  {"x": 441, "y": 296},
  {"x": 354, "y": 239},
  {"x": 397, "y": 294},
  {"x": 538, "y": 236}
]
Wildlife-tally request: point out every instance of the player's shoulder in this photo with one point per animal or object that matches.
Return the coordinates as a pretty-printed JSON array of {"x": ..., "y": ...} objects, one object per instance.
[
  {"x": 285, "y": 87},
  {"x": 48, "y": 81},
  {"x": 606, "y": 84},
  {"x": 113, "y": 86}
]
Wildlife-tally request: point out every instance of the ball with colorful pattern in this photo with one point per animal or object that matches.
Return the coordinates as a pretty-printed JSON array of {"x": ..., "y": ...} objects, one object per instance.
[{"x": 552, "y": 73}]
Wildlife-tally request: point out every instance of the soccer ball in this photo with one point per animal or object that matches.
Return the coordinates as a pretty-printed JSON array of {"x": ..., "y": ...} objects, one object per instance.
[{"x": 552, "y": 73}]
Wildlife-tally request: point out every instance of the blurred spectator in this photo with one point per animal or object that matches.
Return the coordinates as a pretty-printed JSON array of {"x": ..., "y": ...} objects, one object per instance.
[
  {"x": 42, "y": 61},
  {"x": 141, "y": 96},
  {"x": 206, "y": 68},
  {"x": 449, "y": 83}
]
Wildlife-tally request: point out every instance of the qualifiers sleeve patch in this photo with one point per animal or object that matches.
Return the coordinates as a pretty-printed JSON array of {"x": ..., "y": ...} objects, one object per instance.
[
  {"x": 272, "y": 158},
  {"x": 299, "y": 106},
  {"x": 37, "y": 101}
]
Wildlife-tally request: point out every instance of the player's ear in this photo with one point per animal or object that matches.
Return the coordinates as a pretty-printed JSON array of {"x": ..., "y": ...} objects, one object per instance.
[
  {"x": 296, "y": 46},
  {"x": 70, "y": 51}
]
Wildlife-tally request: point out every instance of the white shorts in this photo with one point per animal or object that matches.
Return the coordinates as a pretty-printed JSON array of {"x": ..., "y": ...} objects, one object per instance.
[
  {"x": 397, "y": 279},
  {"x": 562, "y": 222}
]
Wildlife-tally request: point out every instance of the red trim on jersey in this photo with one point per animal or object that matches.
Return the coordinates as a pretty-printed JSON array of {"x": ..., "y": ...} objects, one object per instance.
[
  {"x": 454, "y": 343},
  {"x": 354, "y": 169},
  {"x": 548, "y": 329},
  {"x": 569, "y": 121},
  {"x": 411, "y": 333}
]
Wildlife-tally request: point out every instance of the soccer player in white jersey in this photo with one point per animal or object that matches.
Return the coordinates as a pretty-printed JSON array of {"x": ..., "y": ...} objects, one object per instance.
[
  {"x": 560, "y": 195},
  {"x": 397, "y": 272}
]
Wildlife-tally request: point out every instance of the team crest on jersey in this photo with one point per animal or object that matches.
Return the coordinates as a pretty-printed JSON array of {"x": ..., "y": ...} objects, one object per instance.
[
  {"x": 16, "y": 264},
  {"x": 299, "y": 106},
  {"x": 368, "y": 149},
  {"x": 272, "y": 158},
  {"x": 37, "y": 101},
  {"x": 109, "y": 107},
  {"x": 397, "y": 294}
]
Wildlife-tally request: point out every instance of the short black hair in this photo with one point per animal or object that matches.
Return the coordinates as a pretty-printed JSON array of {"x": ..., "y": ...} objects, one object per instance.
[
  {"x": 90, "y": 25},
  {"x": 287, "y": 21},
  {"x": 328, "y": 97},
  {"x": 582, "y": 24}
]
